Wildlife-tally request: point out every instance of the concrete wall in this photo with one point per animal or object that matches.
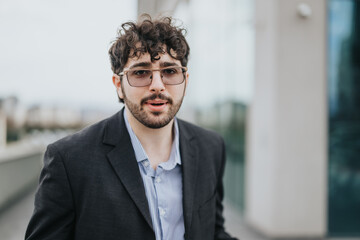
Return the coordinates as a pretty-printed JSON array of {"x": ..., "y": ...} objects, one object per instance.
[
  {"x": 20, "y": 166},
  {"x": 286, "y": 178}
]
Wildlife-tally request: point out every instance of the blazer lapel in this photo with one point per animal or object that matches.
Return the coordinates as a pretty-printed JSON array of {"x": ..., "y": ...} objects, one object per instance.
[
  {"x": 189, "y": 160},
  {"x": 122, "y": 158}
]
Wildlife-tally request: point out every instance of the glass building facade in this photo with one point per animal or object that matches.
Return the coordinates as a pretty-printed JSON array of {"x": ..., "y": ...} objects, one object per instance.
[
  {"x": 344, "y": 117},
  {"x": 221, "y": 37}
]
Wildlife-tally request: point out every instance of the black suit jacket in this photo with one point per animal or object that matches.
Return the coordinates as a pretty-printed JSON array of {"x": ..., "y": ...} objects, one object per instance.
[{"x": 90, "y": 187}]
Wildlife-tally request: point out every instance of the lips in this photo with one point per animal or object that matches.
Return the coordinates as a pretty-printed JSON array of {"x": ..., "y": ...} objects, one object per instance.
[
  {"x": 156, "y": 102},
  {"x": 156, "y": 105}
]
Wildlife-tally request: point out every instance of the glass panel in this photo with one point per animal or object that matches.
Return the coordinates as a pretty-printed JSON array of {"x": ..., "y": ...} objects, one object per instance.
[
  {"x": 221, "y": 37},
  {"x": 344, "y": 117},
  {"x": 228, "y": 118}
]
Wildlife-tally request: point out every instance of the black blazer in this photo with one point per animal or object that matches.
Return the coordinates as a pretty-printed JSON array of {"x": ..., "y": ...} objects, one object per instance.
[{"x": 90, "y": 187}]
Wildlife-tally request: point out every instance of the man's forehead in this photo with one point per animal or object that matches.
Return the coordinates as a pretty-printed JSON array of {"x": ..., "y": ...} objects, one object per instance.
[{"x": 165, "y": 59}]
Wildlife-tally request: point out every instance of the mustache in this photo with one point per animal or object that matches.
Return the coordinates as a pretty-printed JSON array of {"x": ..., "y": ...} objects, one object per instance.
[{"x": 155, "y": 96}]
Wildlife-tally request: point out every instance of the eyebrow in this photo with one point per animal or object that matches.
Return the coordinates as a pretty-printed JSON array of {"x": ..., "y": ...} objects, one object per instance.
[
  {"x": 141, "y": 64},
  {"x": 148, "y": 64},
  {"x": 168, "y": 64}
]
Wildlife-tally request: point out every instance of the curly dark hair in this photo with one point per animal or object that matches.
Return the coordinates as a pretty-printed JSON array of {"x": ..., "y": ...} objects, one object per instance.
[{"x": 152, "y": 35}]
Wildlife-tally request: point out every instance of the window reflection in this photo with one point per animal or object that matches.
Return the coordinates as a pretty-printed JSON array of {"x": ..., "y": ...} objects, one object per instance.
[{"x": 344, "y": 117}]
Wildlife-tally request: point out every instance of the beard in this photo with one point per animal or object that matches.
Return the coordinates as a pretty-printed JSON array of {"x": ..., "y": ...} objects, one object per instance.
[{"x": 153, "y": 119}]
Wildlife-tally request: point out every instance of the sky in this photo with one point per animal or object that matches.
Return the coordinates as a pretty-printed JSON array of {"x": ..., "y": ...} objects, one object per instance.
[{"x": 55, "y": 52}]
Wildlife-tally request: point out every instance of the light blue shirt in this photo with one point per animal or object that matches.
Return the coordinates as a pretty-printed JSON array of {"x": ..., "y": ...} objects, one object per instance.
[{"x": 163, "y": 188}]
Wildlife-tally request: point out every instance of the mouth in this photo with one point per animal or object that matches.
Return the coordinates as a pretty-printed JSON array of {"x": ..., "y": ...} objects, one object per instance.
[
  {"x": 156, "y": 102},
  {"x": 156, "y": 105}
]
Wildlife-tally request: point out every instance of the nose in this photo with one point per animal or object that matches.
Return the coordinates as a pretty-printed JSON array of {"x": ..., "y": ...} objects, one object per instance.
[{"x": 157, "y": 84}]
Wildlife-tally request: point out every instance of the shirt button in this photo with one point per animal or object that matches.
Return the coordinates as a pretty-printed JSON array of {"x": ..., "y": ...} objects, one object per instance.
[
  {"x": 146, "y": 163},
  {"x": 157, "y": 179},
  {"x": 162, "y": 211}
]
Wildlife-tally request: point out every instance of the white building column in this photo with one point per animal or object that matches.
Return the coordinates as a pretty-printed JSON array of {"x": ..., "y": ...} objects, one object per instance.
[{"x": 286, "y": 175}]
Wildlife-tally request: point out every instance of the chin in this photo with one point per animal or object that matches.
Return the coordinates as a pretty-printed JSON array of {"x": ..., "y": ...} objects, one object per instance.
[{"x": 156, "y": 122}]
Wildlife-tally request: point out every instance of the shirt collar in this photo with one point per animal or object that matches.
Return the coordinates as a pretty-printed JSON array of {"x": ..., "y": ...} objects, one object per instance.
[{"x": 140, "y": 153}]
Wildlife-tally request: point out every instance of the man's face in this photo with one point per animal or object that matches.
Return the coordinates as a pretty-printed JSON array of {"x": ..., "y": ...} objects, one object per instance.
[{"x": 154, "y": 105}]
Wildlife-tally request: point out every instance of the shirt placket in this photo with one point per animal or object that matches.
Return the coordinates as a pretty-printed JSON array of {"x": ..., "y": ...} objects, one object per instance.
[{"x": 160, "y": 203}]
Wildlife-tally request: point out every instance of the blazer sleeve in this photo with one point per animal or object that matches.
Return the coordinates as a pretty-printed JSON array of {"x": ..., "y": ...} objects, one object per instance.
[
  {"x": 53, "y": 216},
  {"x": 220, "y": 233}
]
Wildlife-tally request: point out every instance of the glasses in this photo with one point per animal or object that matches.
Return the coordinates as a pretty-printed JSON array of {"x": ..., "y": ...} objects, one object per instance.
[{"x": 137, "y": 77}]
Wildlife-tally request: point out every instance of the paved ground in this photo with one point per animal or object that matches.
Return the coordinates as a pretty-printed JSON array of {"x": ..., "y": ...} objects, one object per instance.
[
  {"x": 14, "y": 220},
  {"x": 237, "y": 227}
]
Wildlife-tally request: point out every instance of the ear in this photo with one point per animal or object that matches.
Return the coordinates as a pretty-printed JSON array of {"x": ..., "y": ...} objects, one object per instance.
[
  {"x": 117, "y": 83},
  {"x": 186, "y": 82}
]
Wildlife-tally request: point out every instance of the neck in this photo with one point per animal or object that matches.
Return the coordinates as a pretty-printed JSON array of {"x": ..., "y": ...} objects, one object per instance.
[{"x": 156, "y": 142}]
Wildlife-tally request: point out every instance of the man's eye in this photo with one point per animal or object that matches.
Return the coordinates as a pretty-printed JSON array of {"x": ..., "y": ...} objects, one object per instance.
[
  {"x": 140, "y": 72},
  {"x": 170, "y": 71}
]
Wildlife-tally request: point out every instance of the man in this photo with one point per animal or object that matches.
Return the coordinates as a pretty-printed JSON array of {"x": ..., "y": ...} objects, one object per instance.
[{"x": 140, "y": 174}]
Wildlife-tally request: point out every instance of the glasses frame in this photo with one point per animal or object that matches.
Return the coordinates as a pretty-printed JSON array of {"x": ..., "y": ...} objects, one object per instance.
[{"x": 125, "y": 72}]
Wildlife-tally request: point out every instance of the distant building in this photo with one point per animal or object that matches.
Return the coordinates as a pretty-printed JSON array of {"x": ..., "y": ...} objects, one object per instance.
[
  {"x": 15, "y": 115},
  {"x": 43, "y": 117},
  {"x": 2, "y": 129}
]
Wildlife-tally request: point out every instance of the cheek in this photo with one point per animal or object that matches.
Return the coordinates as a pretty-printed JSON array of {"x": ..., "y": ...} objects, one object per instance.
[
  {"x": 134, "y": 94},
  {"x": 177, "y": 92}
]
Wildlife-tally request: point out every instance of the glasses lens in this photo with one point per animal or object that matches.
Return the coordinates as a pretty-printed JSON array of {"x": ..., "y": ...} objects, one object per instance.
[
  {"x": 139, "y": 77},
  {"x": 142, "y": 77},
  {"x": 172, "y": 75}
]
